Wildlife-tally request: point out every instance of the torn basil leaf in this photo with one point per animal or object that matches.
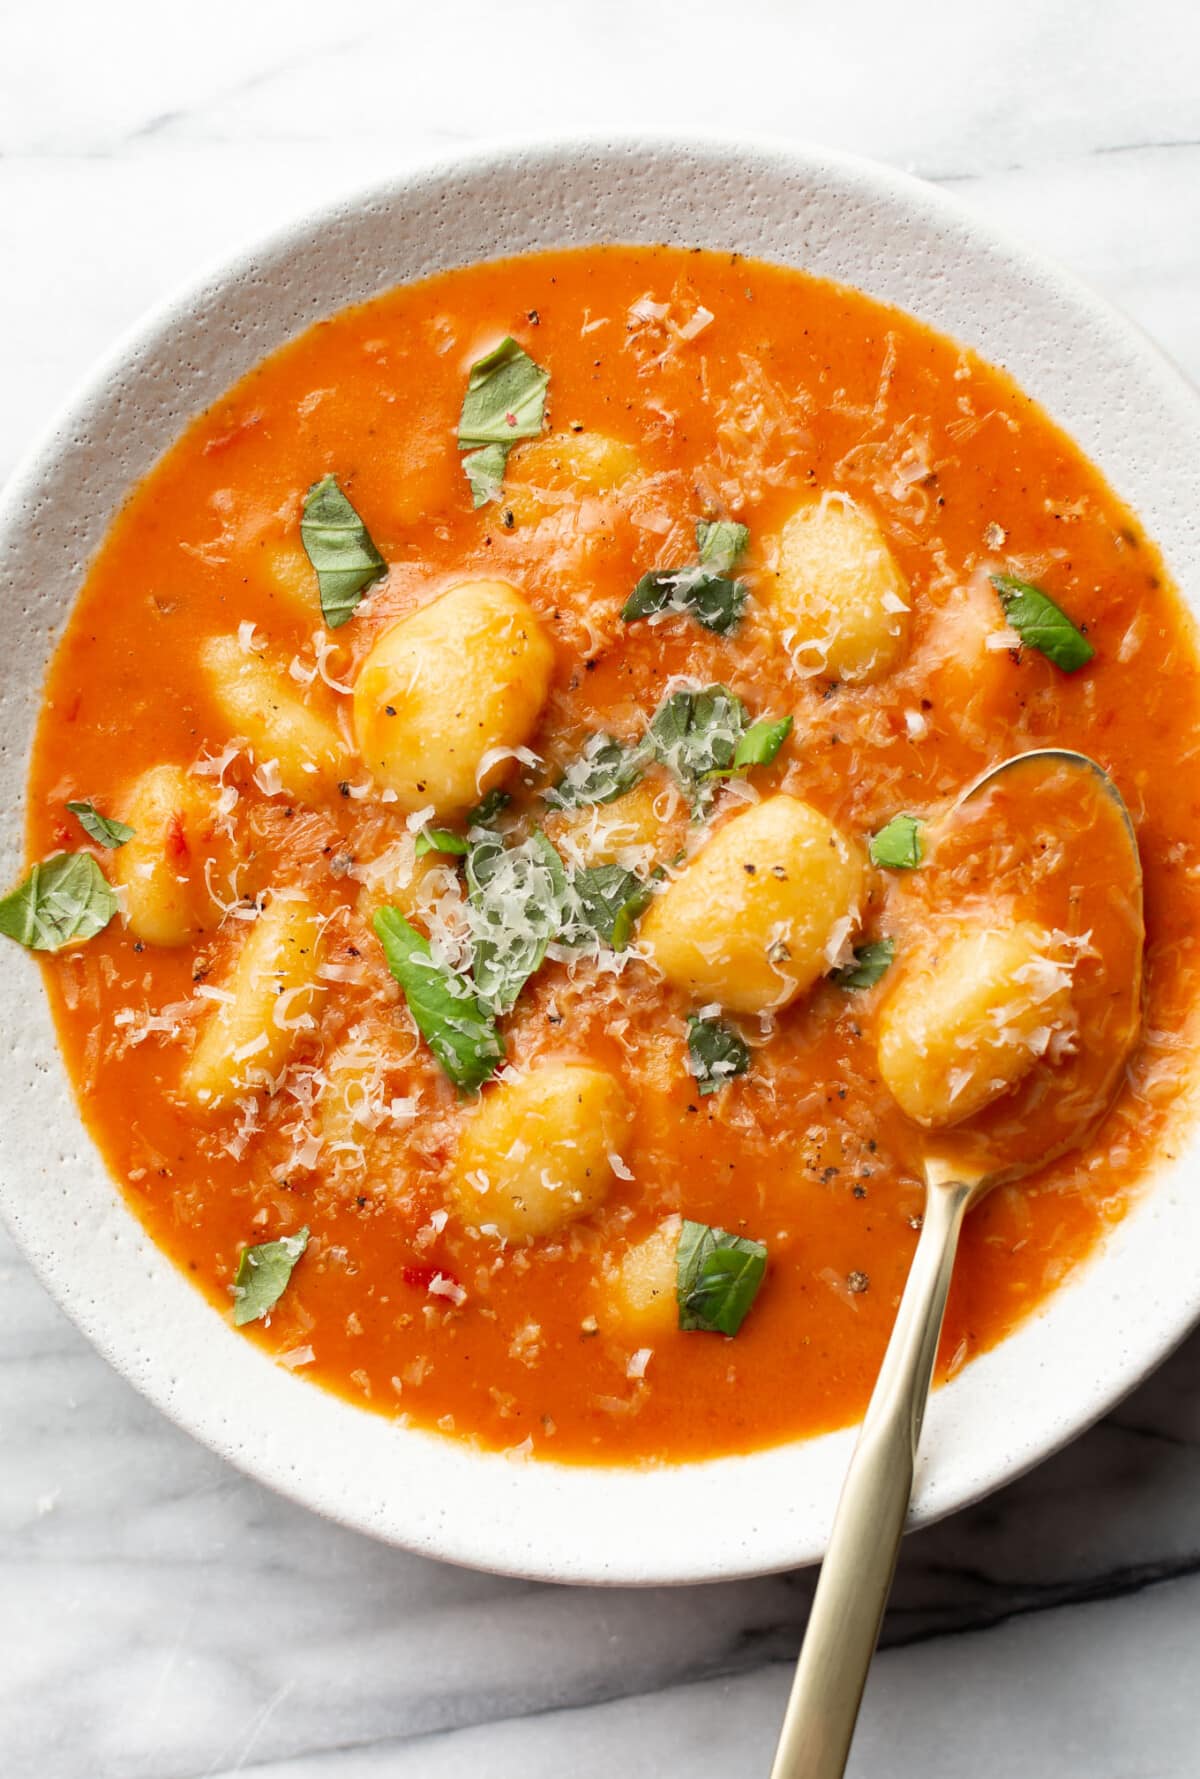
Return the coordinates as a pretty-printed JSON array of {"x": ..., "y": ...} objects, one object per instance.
[
  {"x": 339, "y": 547},
  {"x": 459, "y": 1030},
  {"x": 715, "y": 1053},
  {"x": 63, "y": 900},
  {"x": 1041, "y": 624},
  {"x": 695, "y": 735},
  {"x": 898, "y": 845},
  {"x": 484, "y": 470},
  {"x": 871, "y": 963},
  {"x": 606, "y": 896},
  {"x": 717, "y": 1278},
  {"x": 263, "y": 1274},
  {"x": 761, "y": 742},
  {"x": 604, "y": 771},
  {"x": 100, "y": 828},
  {"x": 487, "y": 809},
  {"x": 631, "y": 911},
  {"x": 505, "y": 401},
  {"x": 516, "y": 904},
  {"x": 441, "y": 840},
  {"x": 704, "y": 588}
]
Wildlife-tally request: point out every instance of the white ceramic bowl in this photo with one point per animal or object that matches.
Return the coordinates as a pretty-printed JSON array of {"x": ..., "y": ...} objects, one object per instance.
[{"x": 896, "y": 239}]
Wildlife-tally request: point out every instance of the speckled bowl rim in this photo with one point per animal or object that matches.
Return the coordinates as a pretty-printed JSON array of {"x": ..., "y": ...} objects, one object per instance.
[{"x": 898, "y": 239}]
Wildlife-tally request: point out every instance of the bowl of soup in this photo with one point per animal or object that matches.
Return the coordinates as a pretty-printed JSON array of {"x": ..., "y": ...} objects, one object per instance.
[{"x": 490, "y": 672}]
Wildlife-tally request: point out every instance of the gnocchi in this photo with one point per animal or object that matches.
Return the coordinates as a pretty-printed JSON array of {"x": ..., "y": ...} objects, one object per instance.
[
  {"x": 257, "y": 702},
  {"x": 564, "y": 468},
  {"x": 640, "y": 829},
  {"x": 970, "y": 1018},
  {"x": 161, "y": 870},
  {"x": 761, "y": 911},
  {"x": 838, "y": 596},
  {"x": 642, "y": 1291},
  {"x": 268, "y": 999},
  {"x": 537, "y": 1153},
  {"x": 446, "y": 696}
]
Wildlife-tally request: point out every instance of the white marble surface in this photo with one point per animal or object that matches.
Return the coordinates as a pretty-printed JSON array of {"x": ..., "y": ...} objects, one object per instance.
[{"x": 160, "y": 1616}]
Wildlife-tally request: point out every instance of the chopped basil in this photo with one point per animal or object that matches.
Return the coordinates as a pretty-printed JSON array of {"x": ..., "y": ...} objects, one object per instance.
[
  {"x": 1041, "y": 624},
  {"x": 484, "y": 471},
  {"x": 695, "y": 735},
  {"x": 100, "y": 828},
  {"x": 631, "y": 912},
  {"x": 721, "y": 543},
  {"x": 761, "y": 742},
  {"x": 486, "y": 811},
  {"x": 607, "y": 898},
  {"x": 340, "y": 549},
  {"x": 263, "y": 1274},
  {"x": 703, "y": 588},
  {"x": 717, "y": 1278},
  {"x": 516, "y": 904},
  {"x": 605, "y": 770},
  {"x": 505, "y": 401},
  {"x": 715, "y": 1053},
  {"x": 64, "y": 899},
  {"x": 457, "y": 1027},
  {"x": 441, "y": 840},
  {"x": 871, "y": 962},
  {"x": 898, "y": 845}
]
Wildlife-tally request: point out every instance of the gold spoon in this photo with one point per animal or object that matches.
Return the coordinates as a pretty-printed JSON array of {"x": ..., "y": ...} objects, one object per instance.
[{"x": 1027, "y": 1129}]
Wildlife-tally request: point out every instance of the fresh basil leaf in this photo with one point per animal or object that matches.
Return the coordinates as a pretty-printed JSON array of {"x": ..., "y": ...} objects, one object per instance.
[
  {"x": 703, "y": 589},
  {"x": 717, "y": 1278},
  {"x": 458, "y": 1029},
  {"x": 101, "y": 828},
  {"x": 263, "y": 1274},
  {"x": 761, "y": 742},
  {"x": 441, "y": 840},
  {"x": 1041, "y": 624},
  {"x": 721, "y": 543},
  {"x": 695, "y": 735},
  {"x": 871, "y": 963},
  {"x": 713, "y": 600},
  {"x": 715, "y": 1053},
  {"x": 505, "y": 399},
  {"x": 898, "y": 845},
  {"x": 602, "y": 896},
  {"x": 517, "y": 900},
  {"x": 339, "y": 547},
  {"x": 605, "y": 770},
  {"x": 631, "y": 911},
  {"x": 484, "y": 470},
  {"x": 486, "y": 811},
  {"x": 64, "y": 899}
]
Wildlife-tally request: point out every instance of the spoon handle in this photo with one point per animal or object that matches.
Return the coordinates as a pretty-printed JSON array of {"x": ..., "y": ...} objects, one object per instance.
[{"x": 856, "y": 1576}]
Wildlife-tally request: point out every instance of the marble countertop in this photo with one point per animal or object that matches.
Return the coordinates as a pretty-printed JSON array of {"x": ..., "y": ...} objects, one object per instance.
[{"x": 161, "y": 1617}]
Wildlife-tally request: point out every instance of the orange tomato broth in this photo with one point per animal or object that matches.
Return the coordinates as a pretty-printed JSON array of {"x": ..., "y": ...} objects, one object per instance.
[{"x": 793, "y": 385}]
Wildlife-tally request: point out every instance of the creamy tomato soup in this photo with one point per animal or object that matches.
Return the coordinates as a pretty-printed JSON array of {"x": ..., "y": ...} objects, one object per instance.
[{"x": 492, "y": 853}]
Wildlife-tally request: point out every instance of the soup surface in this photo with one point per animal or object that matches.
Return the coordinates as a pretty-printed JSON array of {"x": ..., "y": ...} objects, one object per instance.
[{"x": 503, "y": 1149}]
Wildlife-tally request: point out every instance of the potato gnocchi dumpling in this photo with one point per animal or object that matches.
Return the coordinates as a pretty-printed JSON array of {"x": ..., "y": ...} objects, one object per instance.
[
  {"x": 161, "y": 870},
  {"x": 762, "y": 910},
  {"x": 838, "y": 596},
  {"x": 260, "y": 704},
  {"x": 447, "y": 693},
  {"x": 970, "y": 1017},
  {"x": 642, "y": 828},
  {"x": 641, "y": 1292},
  {"x": 564, "y": 469},
  {"x": 537, "y": 1152},
  {"x": 267, "y": 1000}
]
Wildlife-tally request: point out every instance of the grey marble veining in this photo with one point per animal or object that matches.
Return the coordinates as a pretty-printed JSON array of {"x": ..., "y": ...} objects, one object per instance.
[{"x": 161, "y": 1616}]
